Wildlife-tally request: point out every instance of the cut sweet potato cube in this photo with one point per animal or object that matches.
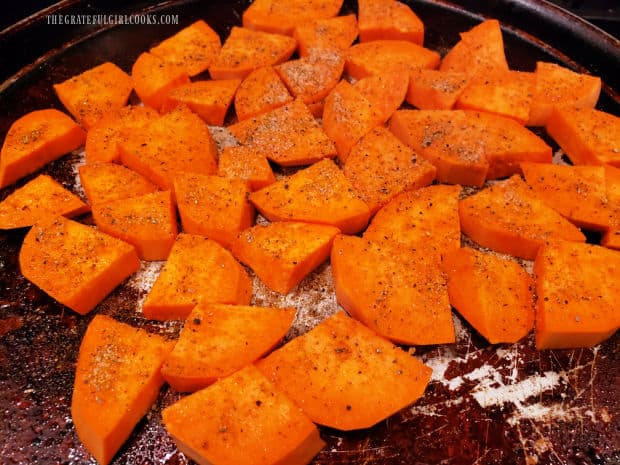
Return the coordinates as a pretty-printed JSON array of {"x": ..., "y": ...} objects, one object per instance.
[
  {"x": 430, "y": 89},
  {"x": 37, "y": 199},
  {"x": 148, "y": 222},
  {"x": 388, "y": 56},
  {"x": 261, "y": 91},
  {"x": 389, "y": 19},
  {"x": 578, "y": 295},
  {"x": 198, "y": 270},
  {"x": 117, "y": 380},
  {"x": 208, "y": 99},
  {"x": 385, "y": 92},
  {"x": 75, "y": 264},
  {"x": 318, "y": 194},
  {"x": 379, "y": 167},
  {"x": 587, "y": 136},
  {"x": 288, "y": 135},
  {"x": 345, "y": 376},
  {"x": 153, "y": 79},
  {"x": 246, "y": 164},
  {"x": 177, "y": 142},
  {"x": 106, "y": 182},
  {"x": 34, "y": 140},
  {"x": 191, "y": 50},
  {"x": 218, "y": 340},
  {"x": 556, "y": 85},
  {"x": 508, "y": 217},
  {"x": 246, "y": 50},
  {"x": 242, "y": 419},
  {"x": 495, "y": 295},
  {"x": 213, "y": 206},
  {"x": 325, "y": 34},
  {"x": 282, "y": 254},
  {"x": 95, "y": 93}
]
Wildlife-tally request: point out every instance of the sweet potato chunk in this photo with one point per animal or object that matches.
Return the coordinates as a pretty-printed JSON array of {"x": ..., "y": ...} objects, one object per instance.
[
  {"x": 246, "y": 164},
  {"x": 106, "y": 182},
  {"x": 261, "y": 91},
  {"x": 153, "y": 79},
  {"x": 389, "y": 19},
  {"x": 325, "y": 34},
  {"x": 385, "y": 92},
  {"x": 430, "y": 89},
  {"x": 611, "y": 237}
]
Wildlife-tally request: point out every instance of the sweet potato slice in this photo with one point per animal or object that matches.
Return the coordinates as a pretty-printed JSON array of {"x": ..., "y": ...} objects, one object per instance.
[
  {"x": 191, "y": 50},
  {"x": 246, "y": 50},
  {"x": 213, "y": 206},
  {"x": 75, "y": 264},
  {"x": 176, "y": 142},
  {"x": 341, "y": 372},
  {"x": 95, "y": 93},
  {"x": 430, "y": 89},
  {"x": 103, "y": 138},
  {"x": 34, "y": 140},
  {"x": 325, "y": 34},
  {"x": 611, "y": 238},
  {"x": 282, "y": 16},
  {"x": 106, "y": 182},
  {"x": 261, "y": 91},
  {"x": 385, "y": 92},
  {"x": 37, "y": 199},
  {"x": 508, "y": 217},
  {"x": 282, "y": 254},
  {"x": 556, "y": 85},
  {"x": 495, "y": 295},
  {"x": 208, "y": 99},
  {"x": 153, "y": 79},
  {"x": 347, "y": 117},
  {"x": 318, "y": 194},
  {"x": 379, "y": 167},
  {"x": 389, "y": 19},
  {"x": 578, "y": 295},
  {"x": 242, "y": 419},
  {"x": 587, "y": 136},
  {"x": 218, "y": 340},
  {"x": 246, "y": 164},
  {"x": 117, "y": 380},
  {"x": 288, "y": 135},
  {"x": 198, "y": 270},
  {"x": 148, "y": 222},
  {"x": 388, "y": 56}
]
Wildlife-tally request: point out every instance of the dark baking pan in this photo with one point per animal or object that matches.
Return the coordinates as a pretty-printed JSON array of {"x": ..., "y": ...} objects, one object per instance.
[{"x": 505, "y": 404}]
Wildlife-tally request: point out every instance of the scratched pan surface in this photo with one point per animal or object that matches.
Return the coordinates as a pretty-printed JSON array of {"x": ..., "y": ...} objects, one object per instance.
[{"x": 506, "y": 404}]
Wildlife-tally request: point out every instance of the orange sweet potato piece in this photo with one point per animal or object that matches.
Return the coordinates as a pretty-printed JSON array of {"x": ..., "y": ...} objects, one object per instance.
[
  {"x": 117, "y": 380},
  {"x": 242, "y": 419},
  {"x": 218, "y": 340},
  {"x": 325, "y": 34},
  {"x": 213, "y": 206},
  {"x": 34, "y": 140},
  {"x": 379, "y": 167},
  {"x": 246, "y": 50},
  {"x": 587, "y": 136},
  {"x": 388, "y": 56},
  {"x": 508, "y": 217},
  {"x": 282, "y": 16},
  {"x": 389, "y": 19},
  {"x": 191, "y": 50},
  {"x": 103, "y": 138},
  {"x": 148, "y": 222},
  {"x": 430, "y": 89},
  {"x": 106, "y": 182},
  {"x": 556, "y": 85},
  {"x": 37, "y": 199},
  {"x": 176, "y": 142},
  {"x": 95, "y": 93},
  {"x": 288, "y": 135},
  {"x": 198, "y": 270},
  {"x": 495, "y": 295},
  {"x": 208, "y": 99},
  {"x": 261, "y": 91},
  {"x": 345, "y": 376},
  {"x": 318, "y": 194},
  {"x": 385, "y": 92},
  {"x": 246, "y": 164},
  {"x": 153, "y": 78},
  {"x": 282, "y": 254},
  {"x": 75, "y": 264},
  {"x": 347, "y": 117},
  {"x": 578, "y": 295},
  {"x": 611, "y": 238}
]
